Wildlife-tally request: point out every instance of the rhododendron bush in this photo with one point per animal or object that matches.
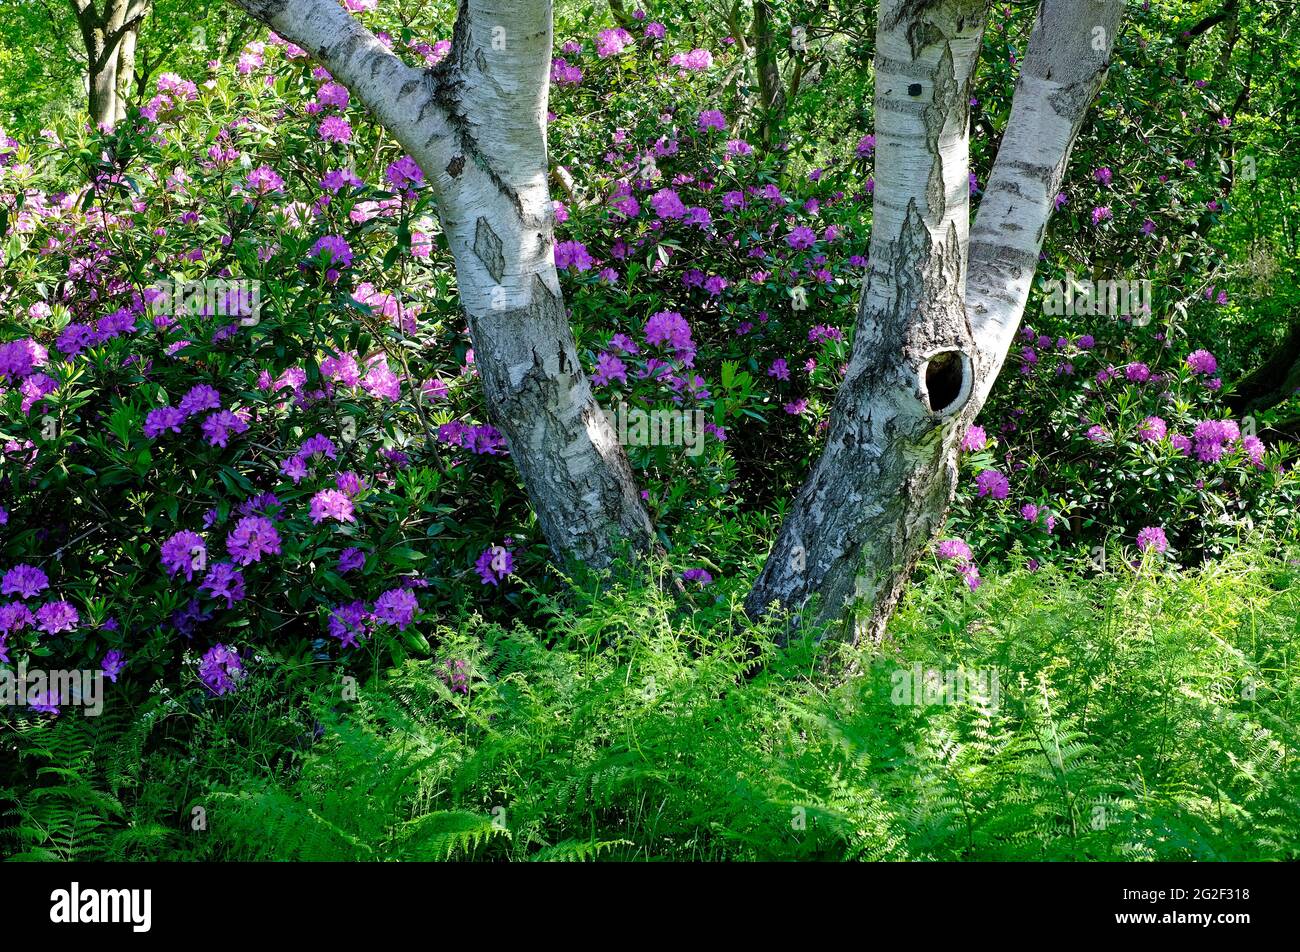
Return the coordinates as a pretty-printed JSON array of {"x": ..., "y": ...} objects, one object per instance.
[{"x": 242, "y": 414}]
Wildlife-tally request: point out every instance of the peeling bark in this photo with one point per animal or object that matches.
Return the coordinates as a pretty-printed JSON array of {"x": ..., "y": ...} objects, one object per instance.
[
  {"x": 940, "y": 305},
  {"x": 476, "y": 124}
]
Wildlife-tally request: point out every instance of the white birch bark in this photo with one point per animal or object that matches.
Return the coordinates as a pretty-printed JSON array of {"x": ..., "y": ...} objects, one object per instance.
[
  {"x": 934, "y": 324},
  {"x": 1065, "y": 65},
  {"x": 476, "y": 124}
]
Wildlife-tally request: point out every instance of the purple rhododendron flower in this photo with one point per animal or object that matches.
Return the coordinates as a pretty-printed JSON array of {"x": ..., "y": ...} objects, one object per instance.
[
  {"x": 334, "y": 251},
  {"x": 612, "y": 42},
  {"x": 1202, "y": 362},
  {"x": 220, "y": 669},
  {"x": 1137, "y": 372},
  {"x": 54, "y": 617},
  {"x": 1255, "y": 450},
  {"x": 801, "y": 237},
  {"x": 252, "y": 537},
  {"x": 331, "y": 504},
  {"x": 396, "y": 607},
  {"x": 572, "y": 254},
  {"x": 667, "y": 204},
  {"x": 974, "y": 440},
  {"x": 494, "y": 564},
  {"x": 44, "y": 702},
  {"x": 404, "y": 174},
  {"x": 992, "y": 483},
  {"x": 225, "y": 581},
  {"x": 335, "y": 129},
  {"x": 220, "y": 426},
  {"x": 162, "y": 419},
  {"x": 184, "y": 552},
  {"x": 349, "y": 483},
  {"x": 25, "y": 581},
  {"x": 669, "y": 327},
  {"x": 200, "y": 398},
  {"x": 334, "y": 95},
  {"x": 318, "y": 444},
  {"x": 953, "y": 549},
  {"x": 608, "y": 369},
  {"x": 711, "y": 119},
  {"x": 112, "y": 665},
  {"x": 347, "y": 623},
  {"x": 351, "y": 559},
  {"x": 15, "y": 616},
  {"x": 1152, "y": 537},
  {"x": 1153, "y": 429}
]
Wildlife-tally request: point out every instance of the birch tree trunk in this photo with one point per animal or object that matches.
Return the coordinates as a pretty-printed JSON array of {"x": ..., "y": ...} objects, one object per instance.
[
  {"x": 940, "y": 306},
  {"x": 476, "y": 124}
]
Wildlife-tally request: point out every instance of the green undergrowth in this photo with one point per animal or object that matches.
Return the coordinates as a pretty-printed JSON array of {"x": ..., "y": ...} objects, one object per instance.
[{"x": 1141, "y": 714}]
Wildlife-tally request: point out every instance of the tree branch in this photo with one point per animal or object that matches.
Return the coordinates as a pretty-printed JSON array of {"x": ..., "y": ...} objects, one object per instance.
[{"x": 1066, "y": 63}]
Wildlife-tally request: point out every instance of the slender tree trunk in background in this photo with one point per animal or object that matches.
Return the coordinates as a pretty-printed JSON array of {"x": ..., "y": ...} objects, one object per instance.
[
  {"x": 619, "y": 12},
  {"x": 103, "y": 86},
  {"x": 476, "y": 124},
  {"x": 125, "y": 71},
  {"x": 939, "y": 307},
  {"x": 109, "y": 35},
  {"x": 771, "y": 96}
]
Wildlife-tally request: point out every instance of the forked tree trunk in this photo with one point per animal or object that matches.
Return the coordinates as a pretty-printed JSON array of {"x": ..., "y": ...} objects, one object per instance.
[
  {"x": 109, "y": 33},
  {"x": 939, "y": 309},
  {"x": 476, "y": 124},
  {"x": 935, "y": 322}
]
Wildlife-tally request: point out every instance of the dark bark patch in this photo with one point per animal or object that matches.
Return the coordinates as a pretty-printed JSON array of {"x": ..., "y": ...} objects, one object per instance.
[
  {"x": 487, "y": 246},
  {"x": 456, "y": 166},
  {"x": 935, "y": 199},
  {"x": 921, "y": 34}
]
